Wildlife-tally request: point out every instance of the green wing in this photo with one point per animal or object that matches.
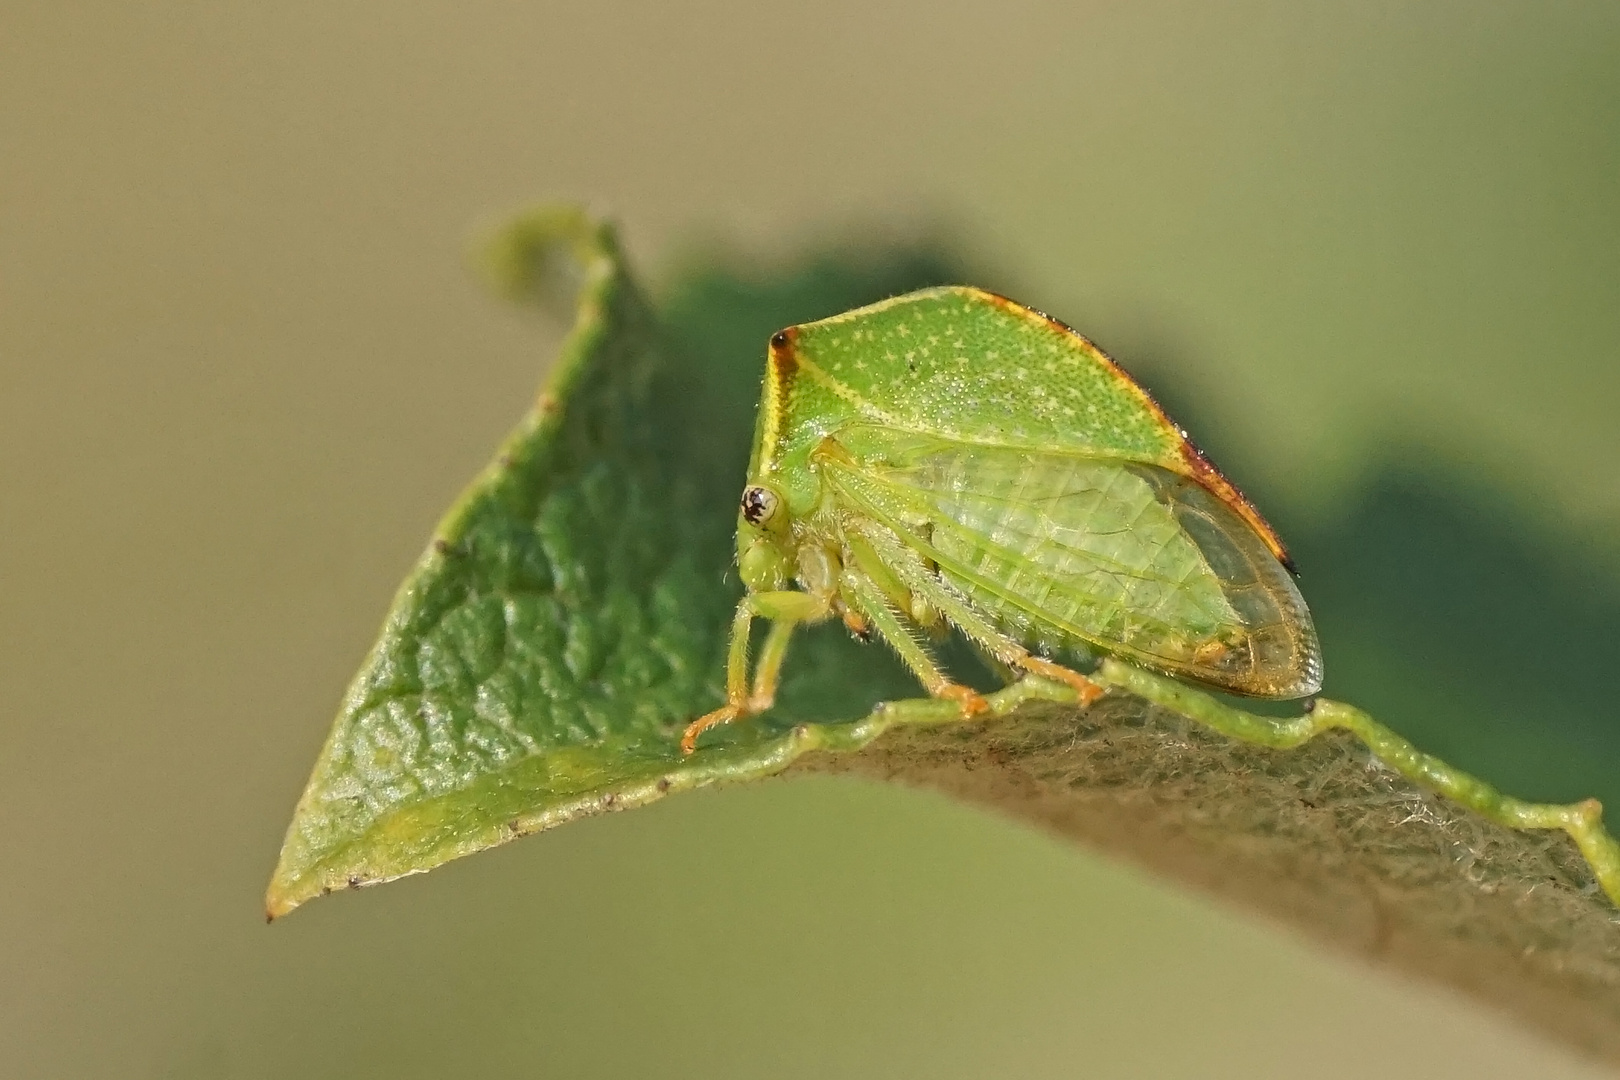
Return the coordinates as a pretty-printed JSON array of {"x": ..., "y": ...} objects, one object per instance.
[{"x": 1066, "y": 549}]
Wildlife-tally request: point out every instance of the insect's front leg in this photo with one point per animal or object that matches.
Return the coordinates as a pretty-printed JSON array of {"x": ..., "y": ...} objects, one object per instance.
[{"x": 787, "y": 610}]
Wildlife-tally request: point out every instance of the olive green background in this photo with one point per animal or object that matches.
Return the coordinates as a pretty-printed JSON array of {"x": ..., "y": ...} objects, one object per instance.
[{"x": 1368, "y": 251}]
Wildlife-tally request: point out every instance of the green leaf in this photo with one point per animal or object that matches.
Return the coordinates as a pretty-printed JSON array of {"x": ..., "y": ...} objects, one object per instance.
[{"x": 568, "y": 620}]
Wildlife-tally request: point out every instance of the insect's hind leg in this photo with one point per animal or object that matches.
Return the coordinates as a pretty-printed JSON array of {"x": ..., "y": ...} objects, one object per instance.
[
  {"x": 1084, "y": 688},
  {"x": 862, "y": 593},
  {"x": 905, "y": 565}
]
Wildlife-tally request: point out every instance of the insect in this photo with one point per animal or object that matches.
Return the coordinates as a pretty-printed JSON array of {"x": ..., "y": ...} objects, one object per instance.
[{"x": 950, "y": 458}]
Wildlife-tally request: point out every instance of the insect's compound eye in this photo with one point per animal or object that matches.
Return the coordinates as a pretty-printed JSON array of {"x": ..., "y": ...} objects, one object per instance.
[
  {"x": 759, "y": 505},
  {"x": 779, "y": 339}
]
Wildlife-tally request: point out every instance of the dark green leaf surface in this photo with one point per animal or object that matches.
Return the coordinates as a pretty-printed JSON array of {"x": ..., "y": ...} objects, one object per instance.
[{"x": 567, "y": 620}]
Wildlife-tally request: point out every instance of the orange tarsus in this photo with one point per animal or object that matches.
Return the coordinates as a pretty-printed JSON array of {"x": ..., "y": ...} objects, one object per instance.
[
  {"x": 971, "y": 700},
  {"x": 725, "y": 714},
  {"x": 1088, "y": 690}
]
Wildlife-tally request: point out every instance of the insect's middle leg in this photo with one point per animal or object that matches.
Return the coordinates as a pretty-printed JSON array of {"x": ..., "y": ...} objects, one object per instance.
[
  {"x": 905, "y": 565},
  {"x": 860, "y": 592}
]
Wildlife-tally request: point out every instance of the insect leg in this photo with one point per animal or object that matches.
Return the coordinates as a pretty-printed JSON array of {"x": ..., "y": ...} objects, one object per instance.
[
  {"x": 908, "y": 567},
  {"x": 786, "y": 610},
  {"x": 769, "y": 669},
  {"x": 1087, "y": 690},
  {"x": 736, "y": 679},
  {"x": 863, "y": 594}
]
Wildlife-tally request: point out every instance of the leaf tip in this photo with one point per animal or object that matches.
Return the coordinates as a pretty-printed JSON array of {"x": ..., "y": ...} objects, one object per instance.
[
  {"x": 543, "y": 254},
  {"x": 277, "y": 902}
]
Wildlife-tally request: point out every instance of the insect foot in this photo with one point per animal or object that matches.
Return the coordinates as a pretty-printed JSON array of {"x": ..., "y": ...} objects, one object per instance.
[
  {"x": 971, "y": 700},
  {"x": 1088, "y": 691},
  {"x": 725, "y": 714}
]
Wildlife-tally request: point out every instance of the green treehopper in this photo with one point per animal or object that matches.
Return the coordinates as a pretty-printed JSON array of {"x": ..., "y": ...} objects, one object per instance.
[{"x": 950, "y": 458}]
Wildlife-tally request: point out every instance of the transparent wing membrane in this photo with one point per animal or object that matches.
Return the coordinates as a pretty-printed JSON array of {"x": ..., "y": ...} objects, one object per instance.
[{"x": 1067, "y": 550}]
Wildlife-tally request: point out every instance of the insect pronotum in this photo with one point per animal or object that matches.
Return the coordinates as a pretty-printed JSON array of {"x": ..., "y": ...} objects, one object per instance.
[{"x": 950, "y": 458}]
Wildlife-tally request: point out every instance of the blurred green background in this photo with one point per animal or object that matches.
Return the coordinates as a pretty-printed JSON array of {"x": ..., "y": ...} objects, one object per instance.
[{"x": 1368, "y": 252}]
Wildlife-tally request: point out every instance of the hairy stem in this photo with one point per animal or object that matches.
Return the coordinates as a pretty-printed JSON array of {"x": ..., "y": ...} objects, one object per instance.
[{"x": 1583, "y": 821}]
